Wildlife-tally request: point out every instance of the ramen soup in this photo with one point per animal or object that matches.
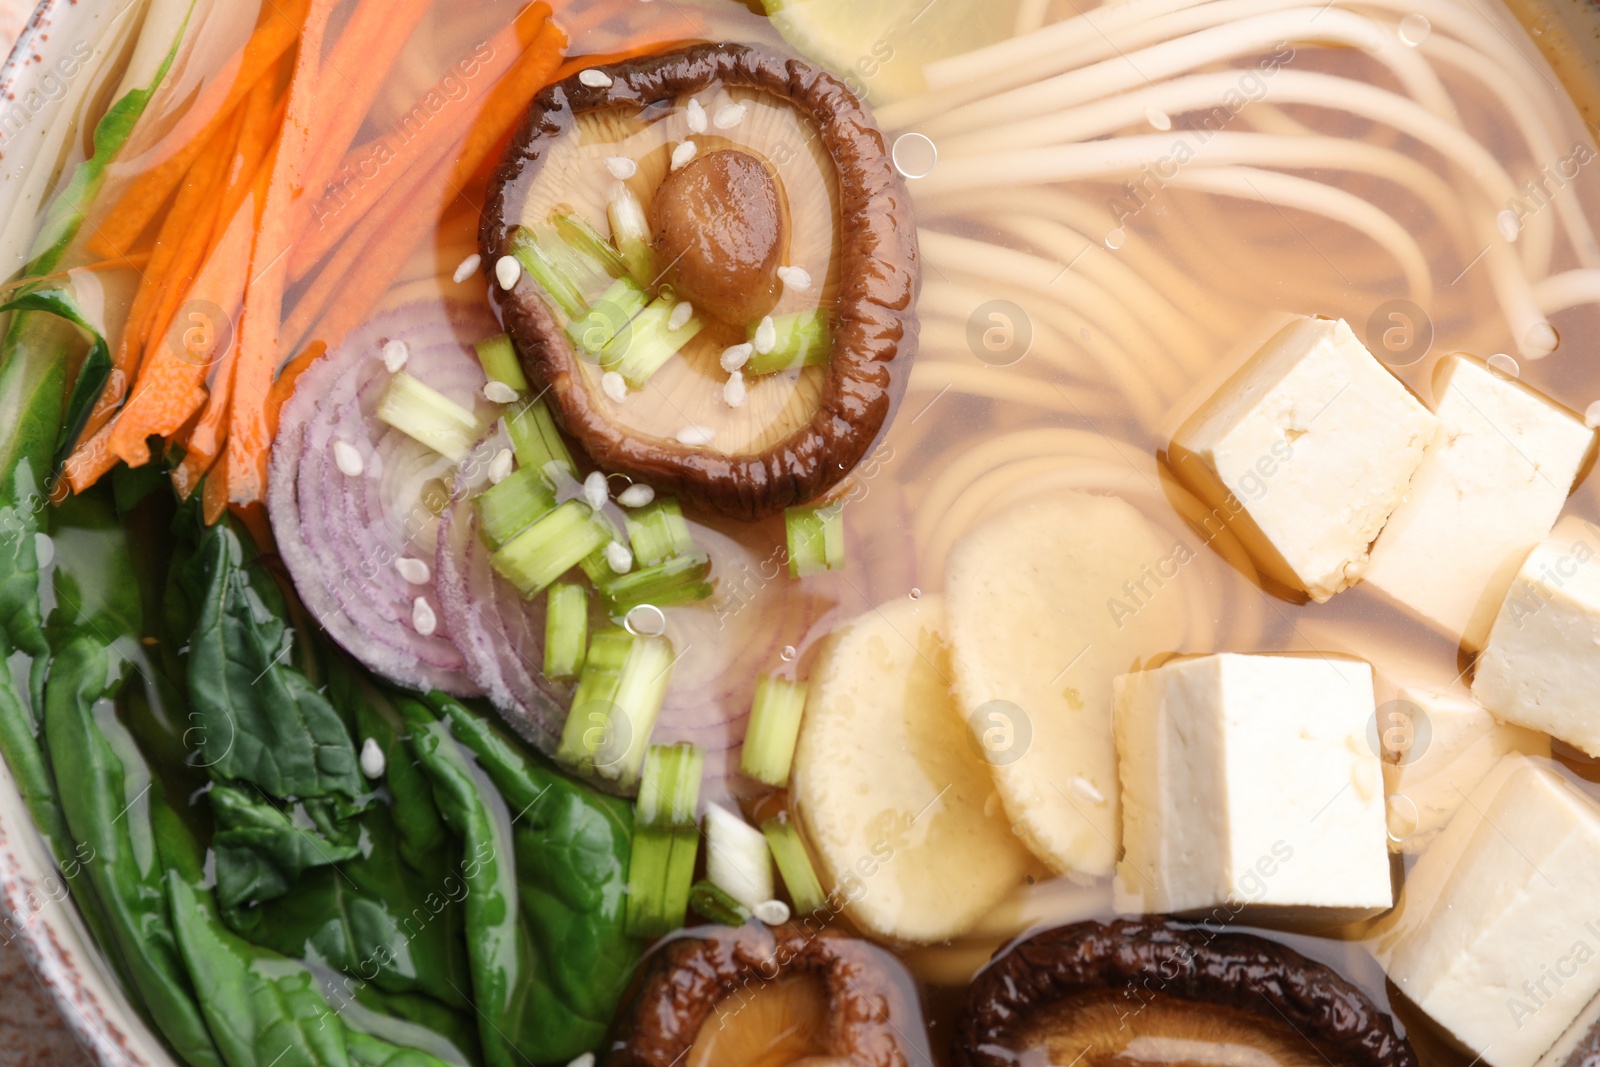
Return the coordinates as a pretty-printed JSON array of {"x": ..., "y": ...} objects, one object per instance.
[{"x": 877, "y": 533}]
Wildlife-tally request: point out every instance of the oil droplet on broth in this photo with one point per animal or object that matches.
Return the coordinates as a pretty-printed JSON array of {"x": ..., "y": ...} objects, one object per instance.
[
  {"x": 1504, "y": 364},
  {"x": 1414, "y": 29},
  {"x": 1116, "y": 239},
  {"x": 788, "y": 654},
  {"x": 916, "y": 594},
  {"x": 1591, "y": 416}
]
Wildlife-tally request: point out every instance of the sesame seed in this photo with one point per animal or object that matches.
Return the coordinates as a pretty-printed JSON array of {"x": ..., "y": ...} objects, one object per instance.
[
  {"x": 771, "y": 912},
  {"x": 423, "y": 620},
  {"x": 500, "y": 466},
  {"x": 498, "y": 392},
  {"x": 682, "y": 312},
  {"x": 1086, "y": 789},
  {"x": 696, "y": 436},
  {"x": 468, "y": 268},
  {"x": 595, "y": 79},
  {"x": 728, "y": 116},
  {"x": 614, "y": 385},
  {"x": 595, "y": 493},
  {"x": 585, "y": 1059},
  {"x": 395, "y": 354},
  {"x": 618, "y": 558},
  {"x": 695, "y": 116},
  {"x": 736, "y": 356},
  {"x": 766, "y": 338},
  {"x": 636, "y": 495},
  {"x": 507, "y": 271},
  {"x": 683, "y": 154},
  {"x": 733, "y": 390},
  {"x": 796, "y": 279},
  {"x": 348, "y": 459},
  {"x": 373, "y": 761},
  {"x": 621, "y": 167},
  {"x": 414, "y": 571}
]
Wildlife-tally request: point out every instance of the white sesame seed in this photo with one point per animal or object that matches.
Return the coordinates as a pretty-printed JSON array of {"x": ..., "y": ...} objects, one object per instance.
[
  {"x": 468, "y": 268},
  {"x": 1086, "y": 789},
  {"x": 766, "y": 338},
  {"x": 373, "y": 762},
  {"x": 728, "y": 116},
  {"x": 682, "y": 312},
  {"x": 507, "y": 271},
  {"x": 618, "y": 558},
  {"x": 348, "y": 459},
  {"x": 423, "y": 620},
  {"x": 695, "y": 436},
  {"x": 733, "y": 390},
  {"x": 736, "y": 356},
  {"x": 497, "y": 392},
  {"x": 500, "y": 466},
  {"x": 621, "y": 167},
  {"x": 795, "y": 279},
  {"x": 636, "y": 495},
  {"x": 683, "y": 154},
  {"x": 595, "y": 492},
  {"x": 614, "y": 385},
  {"x": 695, "y": 116},
  {"x": 771, "y": 912},
  {"x": 395, "y": 354},
  {"x": 414, "y": 571},
  {"x": 587, "y": 1058},
  {"x": 595, "y": 79}
]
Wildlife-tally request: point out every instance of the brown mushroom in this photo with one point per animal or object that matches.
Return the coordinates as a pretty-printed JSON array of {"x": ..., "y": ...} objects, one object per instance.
[
  {"x": 1155, "y": 992},
  {"x": 731, "y": 997},
  {"x": 729, "y": 148}
]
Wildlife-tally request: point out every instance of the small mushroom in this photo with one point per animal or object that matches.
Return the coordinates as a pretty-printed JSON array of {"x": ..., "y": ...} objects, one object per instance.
[
  {"x": 800, "y": 187},
  {"x": 721, "y": 997},
  {"x": 1154, "y": 992}
]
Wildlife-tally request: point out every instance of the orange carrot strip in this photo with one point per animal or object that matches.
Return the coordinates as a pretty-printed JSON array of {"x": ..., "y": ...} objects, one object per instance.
[
  {"x": 283, "y": 388},
  {"x": 257, "y": 358},
  {"x": 516, "y": 53},
  {"x": 144, "y": 196}
]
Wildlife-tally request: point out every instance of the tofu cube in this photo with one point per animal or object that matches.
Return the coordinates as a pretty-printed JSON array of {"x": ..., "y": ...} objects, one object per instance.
[
  {"x": 1248, "y": 782},
  {"x": 1305, "y": 452},
  {"x": 1541, "y": 667},
  {"x": 1496, "y": 932},
  {"x": 1438, "y": 743},
  {"x": 1486, "y": 494}
]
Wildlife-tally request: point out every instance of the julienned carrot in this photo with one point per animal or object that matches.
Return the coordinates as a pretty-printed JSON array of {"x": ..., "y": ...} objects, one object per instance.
[
  {"x": 275, "y": 33},
  {"x": 283, "y": 387},
  {"x": 394, "y": 155},
  {"x": 214, "y": 501},
  {"x": 256, "y": 361}
]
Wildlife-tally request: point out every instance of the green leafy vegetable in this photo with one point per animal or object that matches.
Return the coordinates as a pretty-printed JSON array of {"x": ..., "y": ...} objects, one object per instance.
[
  {"x": 92, "y": 374},
  {"x": 262, "y": 850}
]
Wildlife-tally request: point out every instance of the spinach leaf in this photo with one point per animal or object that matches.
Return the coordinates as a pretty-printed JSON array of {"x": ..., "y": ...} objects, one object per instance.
[
  {"x": 416, "y": 1020},
  {"x": 368, "y": 1051},
  {"x": 93, "y": 373},
  {"x": 259, "y": 717},
  {"x": 262, "y": 850}
]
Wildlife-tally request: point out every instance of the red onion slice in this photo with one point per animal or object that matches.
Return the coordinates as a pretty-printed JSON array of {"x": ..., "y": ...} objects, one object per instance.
[{"x": 350, "y": 497}]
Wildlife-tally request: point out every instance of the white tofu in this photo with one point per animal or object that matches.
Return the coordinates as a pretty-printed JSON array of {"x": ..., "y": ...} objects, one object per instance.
[
  {"x": 1438, "y": 743},
  {"x": 1541, "y": 667},
  {"x": 1247, "y": 781},
  {"x": 1485, "y": 495},
  {"x": 1305, "y": 452},
  {"x": 1496, "y": 934}
]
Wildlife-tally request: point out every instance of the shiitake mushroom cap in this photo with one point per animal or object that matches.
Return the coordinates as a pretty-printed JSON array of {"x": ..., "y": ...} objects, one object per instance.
[
  {"x": 1141, "y": 960},
  {"x": 874, "y": 324}
]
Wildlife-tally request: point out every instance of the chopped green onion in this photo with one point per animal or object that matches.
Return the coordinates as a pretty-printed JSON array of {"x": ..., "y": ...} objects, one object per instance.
[
  {"x": 658, "y": 532},
  {"x": 737, "y": 860},
  {"x": 774, "y": 728},
  {"x": 669, "y": 786},
  {"x": 680, "y": 580},
  {"x": 535, "y": 439},
  {"x": 660, "y": 873},
  {"x": 645, "y": 346},
  {"x": 715, "y": 906},
  {"x": 802, "y": 342},
  {"x": 540, "y": 259},
  {"x": 816, "y": 539},
  {"x": 427, "y": 415},
  {"x": 631, "y": 231},
  {"x": 619, "y": 696},
  {"x": 566, "y": 630},
  {"x": 549, "y": 548},
  {"x": 499, "y": 358},
  {"x": 608, "y": 316},
  {"x": 585, "y": 239},
  {"x": 507, "y": 509},
  {"x": 789, "y": 852}
]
